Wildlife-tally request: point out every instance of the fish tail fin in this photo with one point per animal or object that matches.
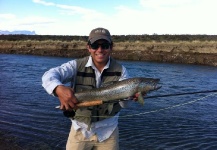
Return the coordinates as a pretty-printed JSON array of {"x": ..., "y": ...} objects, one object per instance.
[{"x": 141, "y": 99}]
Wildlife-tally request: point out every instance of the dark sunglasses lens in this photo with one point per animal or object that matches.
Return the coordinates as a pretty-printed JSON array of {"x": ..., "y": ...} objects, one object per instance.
[
  {"x": 103, "y": 46},
  {"x": 94, "y": 46}
]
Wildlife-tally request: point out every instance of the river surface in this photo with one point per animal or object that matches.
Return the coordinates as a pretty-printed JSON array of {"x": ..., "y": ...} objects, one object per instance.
[{"x": 28, "y": 115}]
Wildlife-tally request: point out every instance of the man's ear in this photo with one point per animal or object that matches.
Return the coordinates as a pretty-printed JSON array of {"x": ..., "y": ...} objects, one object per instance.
[
  {"x": 111, "y": 46},
  {"x": 88, "y": 47}
]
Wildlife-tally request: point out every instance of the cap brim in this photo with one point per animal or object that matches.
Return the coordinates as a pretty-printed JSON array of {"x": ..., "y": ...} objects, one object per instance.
[{"x": 99, "y": 38}]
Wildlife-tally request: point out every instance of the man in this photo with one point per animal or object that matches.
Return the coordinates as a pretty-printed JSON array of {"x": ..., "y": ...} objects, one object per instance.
[{"x": 89, "y": 129}]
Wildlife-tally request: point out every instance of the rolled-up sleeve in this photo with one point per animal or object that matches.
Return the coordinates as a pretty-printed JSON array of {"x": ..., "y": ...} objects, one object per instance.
[{"x": 58, "y": 76}]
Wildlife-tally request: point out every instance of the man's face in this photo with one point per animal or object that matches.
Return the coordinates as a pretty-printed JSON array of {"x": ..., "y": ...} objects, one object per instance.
[{"x": 100, "y": 51}]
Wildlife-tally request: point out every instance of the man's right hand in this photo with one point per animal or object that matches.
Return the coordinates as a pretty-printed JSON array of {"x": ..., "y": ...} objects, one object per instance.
[{"x": 66, "y": 97}]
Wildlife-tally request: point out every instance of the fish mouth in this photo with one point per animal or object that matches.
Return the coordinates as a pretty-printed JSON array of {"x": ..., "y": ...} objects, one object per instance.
[
  {"x": 155, "y": 83},
  {"x": 156, "y": 87}
]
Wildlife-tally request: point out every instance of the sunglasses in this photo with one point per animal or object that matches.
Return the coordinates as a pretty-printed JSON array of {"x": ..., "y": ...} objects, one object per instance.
[{"x": 103, "y": 46}]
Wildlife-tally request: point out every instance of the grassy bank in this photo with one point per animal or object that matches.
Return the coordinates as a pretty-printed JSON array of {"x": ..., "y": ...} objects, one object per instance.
[
  {"x": 197, "y": 51},
  {"x": 178, "y": 46}
]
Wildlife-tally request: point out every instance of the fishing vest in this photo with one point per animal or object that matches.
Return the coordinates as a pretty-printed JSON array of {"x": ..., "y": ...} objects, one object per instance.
[{"x": 85, "y": 80}]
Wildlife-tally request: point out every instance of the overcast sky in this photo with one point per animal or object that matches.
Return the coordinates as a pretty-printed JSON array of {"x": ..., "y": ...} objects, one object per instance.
[{"x": 121, "y": 17}]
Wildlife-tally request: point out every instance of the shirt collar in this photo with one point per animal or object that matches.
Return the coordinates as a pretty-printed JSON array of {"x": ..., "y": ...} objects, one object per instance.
[{"x": 91, "y": 64}]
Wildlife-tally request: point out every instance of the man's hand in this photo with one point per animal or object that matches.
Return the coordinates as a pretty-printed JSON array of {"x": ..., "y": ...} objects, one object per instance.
[{"x": 66, "y": 97}]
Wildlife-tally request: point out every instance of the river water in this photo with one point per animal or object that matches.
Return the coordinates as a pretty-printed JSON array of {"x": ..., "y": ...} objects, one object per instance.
[{"x": 28, "y": 114}]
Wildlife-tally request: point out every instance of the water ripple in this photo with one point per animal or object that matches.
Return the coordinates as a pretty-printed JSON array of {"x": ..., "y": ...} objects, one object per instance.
[{"x": 28, "y": 113}]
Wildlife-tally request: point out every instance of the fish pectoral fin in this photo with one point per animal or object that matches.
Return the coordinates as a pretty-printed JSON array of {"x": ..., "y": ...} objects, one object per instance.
[
  {"x": 110, "y": 107},
  {"x": 140, "y": 99}
]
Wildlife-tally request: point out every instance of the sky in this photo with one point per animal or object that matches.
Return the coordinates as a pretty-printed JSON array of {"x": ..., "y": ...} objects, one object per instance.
[{"x": 120, "y": 17}]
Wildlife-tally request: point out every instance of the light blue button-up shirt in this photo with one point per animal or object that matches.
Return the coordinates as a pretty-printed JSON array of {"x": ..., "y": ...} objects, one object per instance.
[{"x": 64, "y": 74}]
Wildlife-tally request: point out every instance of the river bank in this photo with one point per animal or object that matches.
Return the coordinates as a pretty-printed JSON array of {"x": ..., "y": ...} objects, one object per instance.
[{"x": 187, "y": 52}]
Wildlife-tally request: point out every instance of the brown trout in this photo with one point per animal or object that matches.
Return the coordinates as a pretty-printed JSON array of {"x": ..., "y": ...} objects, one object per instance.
[{"x": 120, "y": 90}]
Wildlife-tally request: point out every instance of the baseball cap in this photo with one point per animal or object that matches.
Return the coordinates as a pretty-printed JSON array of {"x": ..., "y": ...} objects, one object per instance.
[{"x": 99, "y": 33}]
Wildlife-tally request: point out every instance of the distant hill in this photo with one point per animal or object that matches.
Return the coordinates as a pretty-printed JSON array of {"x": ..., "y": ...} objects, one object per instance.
[{"x": 17, "y": 32}]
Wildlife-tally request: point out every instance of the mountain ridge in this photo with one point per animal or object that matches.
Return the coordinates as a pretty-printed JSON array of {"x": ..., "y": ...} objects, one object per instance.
[{"x": 26, "y": 32}]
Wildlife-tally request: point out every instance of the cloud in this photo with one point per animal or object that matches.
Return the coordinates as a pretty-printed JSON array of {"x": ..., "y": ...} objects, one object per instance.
[
  {"x": 36, "y": 20},
  {"x": 85, "y": 13},
  {"x": 75, "y": 9},
  {"x": 167, "y": 17},
  {"x": 161, "y": 4},
  {"x": 7, "y": 16},
  {"x": 43, "y": 2},
  {"x": 153, "y": 16},
  {"x": 31, "y": 23},
  {"x": 145, "y": 17}
]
